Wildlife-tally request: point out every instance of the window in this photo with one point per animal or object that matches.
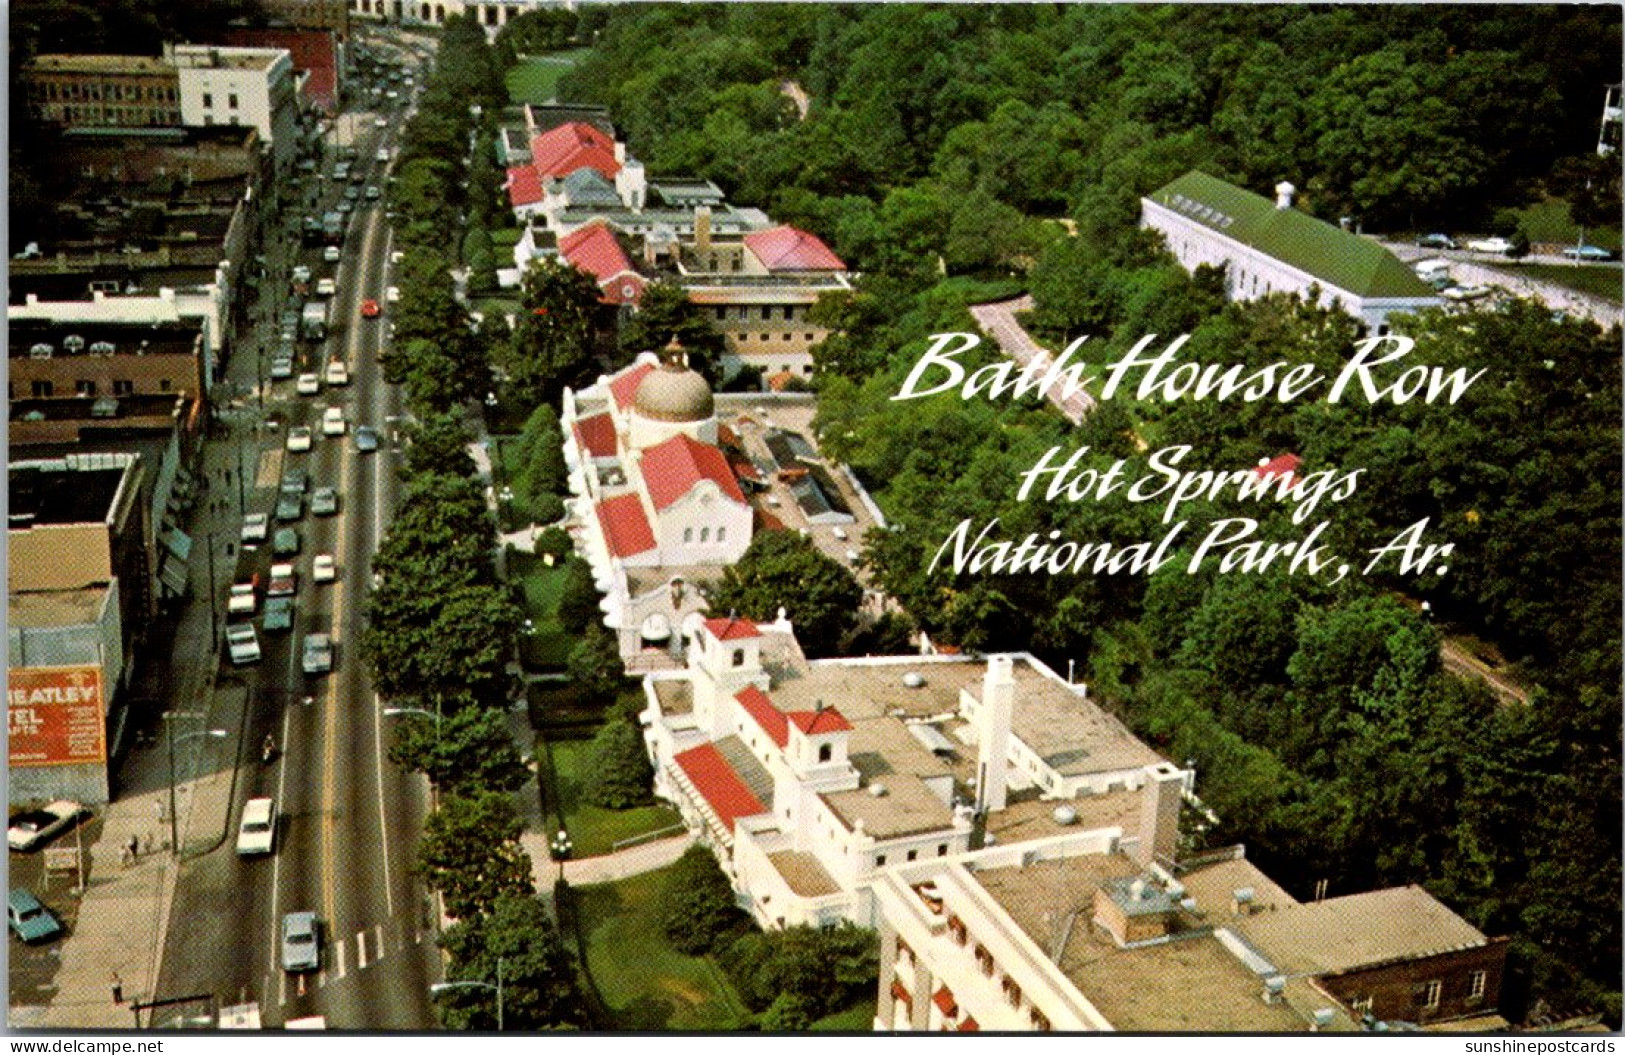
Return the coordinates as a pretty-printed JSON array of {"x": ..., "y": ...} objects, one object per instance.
[
  {"x": 163, "y": 384},
  {"x": 739, "y": 657},
  {"x": 880, "y": 860},
  {"x": 123, "y": 388},
  {"x": 208, "y": 100},
  {"x": 1360, "y": 1005},
  {"x": 722, "y": 314},
  {"x": 41, "y": 389},
  {"x": 767, "y": 312},
  {"x": 912, "y": 854},
  {"x": 1476, "y": 989},
  {"x": 956, "y": 927},
  {"x": 84, "y": 388},
  {"x": 688, "y": 534},
  {"x": 722, "y": 533},
  {"x": 705, "y": 534},
  {"x": 824, "y": 755},
  {"x": 942, "y": 850},
  {"x": 789, "y": 312},
  {"x": 231, "y": 100},
  {"x": 767, "y": 336},
  {"x": 1012, "y": 992},
  {"x": 1430, "y": 994},
  {"x": 984, "y": 959}
]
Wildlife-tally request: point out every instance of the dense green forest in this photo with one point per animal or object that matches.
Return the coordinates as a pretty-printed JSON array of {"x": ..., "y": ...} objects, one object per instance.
[{"x": 941, "y": 144}]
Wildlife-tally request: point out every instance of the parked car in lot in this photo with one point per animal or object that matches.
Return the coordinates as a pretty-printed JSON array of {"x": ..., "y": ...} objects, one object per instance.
[
  {"x": 301, "y": 942},
  {"x": 1490, "y": 245},
  {"x": 308, "y": 384},
  {"x": 289, "y": 506},
  {"x": 32, "y": 829},
  {"x": 256, "y": 526},
  {"x": 279, "y": 614},
  {"x": 366, "y": 439},
  {"x": 1437, "y": 241},
  {"x": 333, "y": 422},
  {"x": 337, "y": 373},
  {"x": 1465, "y": 293},
  {"x": 301, "y": 273},
  {"x": 281, "y": 367},
  {"x": 299, "y": 438},
  {"x": 323, "y": 569},
  {"x": 332, "y": 254},
  {"x": 242, "y": 644},
  {"x": 284, "y": 581},
  {"x": 256, "y": 831},
  {"x": 373, "y": 194},
  {"x": 286, "y": 543},
  {"x": 326, "y": 287},
  {"x": 1588, "y": 252},
  {"x": 325, "y": 502},
  {"x": 30, "y": 920},
  {"x": 244, "y": 598},
  {"x": 318, "y": 654},
  {"x": 296, "y": 480}
]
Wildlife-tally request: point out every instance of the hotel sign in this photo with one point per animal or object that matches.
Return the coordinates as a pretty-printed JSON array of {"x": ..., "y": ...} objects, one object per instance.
[{"x": 56, "y": 716}]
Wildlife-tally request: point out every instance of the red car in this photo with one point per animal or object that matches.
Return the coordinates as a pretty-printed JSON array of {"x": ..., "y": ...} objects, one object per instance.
[{"x": 370, "y": 309}]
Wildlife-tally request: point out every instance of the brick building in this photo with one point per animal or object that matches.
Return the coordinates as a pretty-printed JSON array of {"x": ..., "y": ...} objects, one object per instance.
[{"x": 126, "y": 91}]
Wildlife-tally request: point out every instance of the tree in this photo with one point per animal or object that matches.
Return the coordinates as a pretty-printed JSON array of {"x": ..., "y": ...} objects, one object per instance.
[
  {"x": 470, "y": 853},
  {"x": 537, "y": 971},
  {"x": 595, "y": 665},
  {"x": 552, "y": 348},
  {"x": 465, "y": 751},
  {"x": 665, "y": 312},
  {"x": 555, "y": 542},
  {"x": 619, "y": 775},
  {"x": 437, "y": 445},
  {"x": 781, "y": 568},
  {"x": 541, "y": 473},
  {"x": 698, "y": 912},
  {"x": 578, "y": 598}
]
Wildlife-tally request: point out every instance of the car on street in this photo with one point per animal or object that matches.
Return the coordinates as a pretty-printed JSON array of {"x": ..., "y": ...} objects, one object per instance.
[
  {"x": 370, "y": 309},
  {"x": 1588, "y": 252},
  {"x": 256, "y": 527},
  {"x": 325, "y": 502},
  {"x": 373, "y": 194},
  {"x": 289, "y": 506},
  {"x": 318, "y": 654},
  {"x": 308, "y": 384},
  {"x": 301, "y": 942},
  {"x": 281, "y": 367},
  {"x": 366, "y": 439},
  {"x": 299, "y": 438},
  {"x": 279, "y": 614},
  {"x": 323, "y": 569},
  {"x": 29, "y": 920},
  {"x": 284, "y": 581},
  {"x": 296, "y": 480},
  {"x": 1437, "y": 241},
  {"x": 333, "y": 422},
  {"x": 242, "y": 644},
  {"x": 393, "y": 294},
  {"x": 32, "y": 829},
  {"x": 256, "y": 831},
  {"x": 1490, "y": 245},
  {"x": 285, "y": 543},
  {"x": 326, "y": 287},
  {"x": 332, "y": 254},
  {"x": 301, "y": 274},
  {"x": 337, "y": 372},
  {"x": 380, "y": 122},
  {"x": 244, "y": 598}
]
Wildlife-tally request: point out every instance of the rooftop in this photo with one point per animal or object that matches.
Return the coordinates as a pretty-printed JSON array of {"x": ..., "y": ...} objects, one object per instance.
[
  {"x": 1070, "y": 732},
  {"x": 1340, "y": 933},
  {"x": 55, "y": 608},
  {"x": 40, "y": 495},
  {"x": 787, "y": 248},
  {"x": 103, "y": 64},
  {"x": 803, "y": 873},
  {"x": 626, "y": 528},
  {"x": 908, "y": 807}
]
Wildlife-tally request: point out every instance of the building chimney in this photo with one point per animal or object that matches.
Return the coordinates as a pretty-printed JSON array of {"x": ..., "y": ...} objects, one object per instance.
[
  {"x": 1159, "y": 814},
  {"x": 702, "y": 230},
  {"x": 1283, "y": 194},
  {"x": 993, "y": 732}
]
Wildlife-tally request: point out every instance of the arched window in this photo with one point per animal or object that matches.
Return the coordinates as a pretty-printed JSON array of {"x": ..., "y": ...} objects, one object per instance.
[
  {"x": 722, "y": 534},
  {"x": 825, "y": 752},
  {"x": 705, "y": 534},
  {"x": 688, "y": 534},
  {"x": 739, "y": 657}
]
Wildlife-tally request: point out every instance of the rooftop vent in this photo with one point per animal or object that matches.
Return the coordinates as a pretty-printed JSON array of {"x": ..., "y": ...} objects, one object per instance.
[
  {"x": 877, "y": 790},
  {"x": 1241, "y": 900},
  {"x": 913, "y": 680},
  {"x": 1274, "y": 986},
  {"x": 1323, "y": 1018},
  {"x": 1065, "y": 815}
]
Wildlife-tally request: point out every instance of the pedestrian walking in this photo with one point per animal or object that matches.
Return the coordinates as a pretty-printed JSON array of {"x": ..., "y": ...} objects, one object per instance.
[{"x": 118, "y": 989}]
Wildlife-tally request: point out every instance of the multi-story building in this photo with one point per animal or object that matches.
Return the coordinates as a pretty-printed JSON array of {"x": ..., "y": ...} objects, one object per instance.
[
  {"x": 250, "y": 87},
  {"x": 109, "y": 346},
  {"x": 314, "y": 50},
  {"x": 492, "y": 14},
  {"x": 329, "y": 15},
  {"x": 1269, "y": 247},
  {"x": 92, "y": 91}
]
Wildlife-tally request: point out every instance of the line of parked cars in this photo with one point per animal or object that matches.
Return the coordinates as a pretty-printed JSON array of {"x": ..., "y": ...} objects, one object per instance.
[
  {"x": 1502, "y": 246},
  {"x": 31, "y": 829}
]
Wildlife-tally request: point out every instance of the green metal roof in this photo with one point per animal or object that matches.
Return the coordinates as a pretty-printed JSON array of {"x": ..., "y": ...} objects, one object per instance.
[{"x": 1330, "y": 254}]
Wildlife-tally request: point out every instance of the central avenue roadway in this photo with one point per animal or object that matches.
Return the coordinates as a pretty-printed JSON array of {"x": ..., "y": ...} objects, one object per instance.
[{"x": 348, "y": 818}]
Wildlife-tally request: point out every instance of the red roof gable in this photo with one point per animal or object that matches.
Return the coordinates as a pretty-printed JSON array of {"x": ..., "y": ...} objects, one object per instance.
[
  {"x": 732, "y": 628},
  {"x": 769, "y": 717},
  {"x": 945, "y": 1001},
  {"x": 563, "y": 150},
  {"x": 626, "y": 529},
  {"x": 524, "y": 186},
  {"x": 828, "y": 720},
  {"x": 721, "y": 787},
  {"x": 787, "y": 249},
  {"x": 624, "y": 387},
  {"x": 596, "y": 435},
  {"x": 671, "y": 469},
  {"x": 1284, "y": 465},
  {"x": 970, "y": 1025},
  {"x": 595, "y": 250}
]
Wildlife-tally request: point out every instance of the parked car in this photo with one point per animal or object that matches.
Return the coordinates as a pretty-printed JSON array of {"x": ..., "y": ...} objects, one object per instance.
[
  {"x": 279, "y": 614},
  {"x": 318, "y": 654},
  {"x": 244, "y": 597},
  {"x": 299, "y": 438},
  {"x": 256, "y": 831},
  {"x": 1588, "y": 252},
  {"x": 333, "y": 422},
  {"x": 29, "y": 920},
  {"x": 242, "y": 644},
  {"x": 296, "y": 480},
  {"x": 289, "y": 506},
  {"x": 337, "y": 373},
  {"x": 1465, "y": 293},
  {"x": 284, "y": 581},
  {"x": 380, "y": 122},
  {"x": 1490, "y": 245},
  {"x": 308, "y": 384},
  {"x": 301, "y": 942},
  {"x": 281, "y": 367},
  {"x": 366, "y": 439},
  {"x": 32, "y": 829},
  {"x": 327, "y": 287},
  {"x": 323, "y": 569},
  {"x": 286, "y": 543},
  {"x": 256, "y": 527},
  {"x": 301, "y": 273},
  {"x": 332, "y": 254},
  {"x": 1437, "y": 241},
  {"x": 325, "y": 502},
  {"x": 373, "y": 194},
  {"x": 382, "y": 157}
]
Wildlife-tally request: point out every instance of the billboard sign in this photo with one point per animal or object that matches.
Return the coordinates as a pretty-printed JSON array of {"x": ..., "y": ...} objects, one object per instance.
[{"x": 56, "y": 716}]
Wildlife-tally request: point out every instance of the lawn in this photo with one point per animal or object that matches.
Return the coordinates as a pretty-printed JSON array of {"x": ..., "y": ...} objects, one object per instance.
[
  {"x": 503, "y": 239},
  {"x": 644, "y": 982},
  {"x": 1604, "y": 282},
  {"x": 594, "y": 830},
  {"x": 548, "y": 648},
  {"x": 536, "y": 80}
]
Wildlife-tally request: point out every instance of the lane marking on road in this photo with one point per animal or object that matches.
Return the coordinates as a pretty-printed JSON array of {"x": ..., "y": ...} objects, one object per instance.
[
  {"x": 330, "y": 739},
  {"x": 361, "y": 950},
  {"x": 338, "y": 952},
  {"x": 276, "y": 858}
]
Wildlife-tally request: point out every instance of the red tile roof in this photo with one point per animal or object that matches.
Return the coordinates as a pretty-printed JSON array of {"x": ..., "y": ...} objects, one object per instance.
[
  {"x": 524, "y": 186},
  {"x": 626, "y": 529},
  {"x": 718, "y": 784},
  {"x": 769, "y": 717},
  {"x": 1284, "y": 465},
  {"x": 785, "y": 248},
  {"x": 945, "y": 1001},
  {"x": 563, "y": 150},
  {"x": 732, "y": 628},
  {"x": 596, "y": 435},
  {"x": 594, "y": 249},
  {"x": 828, "y": 720},
  {"x": 970, "y": 1025},
  {"x": 671, "y": 469},
  {"x": 625, "y": 386}
]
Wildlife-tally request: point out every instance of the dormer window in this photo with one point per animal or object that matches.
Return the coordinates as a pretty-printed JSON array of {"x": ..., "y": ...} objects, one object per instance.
[
  {"x": 73, "y": 343},
  {"x": 102, "y": 348},
  {"x": 40, "y": 351}
]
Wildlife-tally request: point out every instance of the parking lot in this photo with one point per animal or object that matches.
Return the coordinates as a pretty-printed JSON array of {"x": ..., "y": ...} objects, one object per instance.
[{"x": 32, "y": 974}]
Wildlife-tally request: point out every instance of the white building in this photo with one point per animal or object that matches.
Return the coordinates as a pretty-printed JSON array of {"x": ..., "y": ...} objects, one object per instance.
[
  {"x": 809, "y": 778},
  {"x": 207, "y": 304},
  {"x": 253, "y": 87},
  {"x": 1271, "y": 248}
]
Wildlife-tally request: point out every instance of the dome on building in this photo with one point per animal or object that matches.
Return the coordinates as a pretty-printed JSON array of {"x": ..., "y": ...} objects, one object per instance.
[{"x": 674, "y": 392}]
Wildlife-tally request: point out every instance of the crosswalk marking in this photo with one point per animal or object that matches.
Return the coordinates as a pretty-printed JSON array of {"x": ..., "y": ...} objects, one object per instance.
[
  {"x": 361, "y": 950},
  {"x": 373, "y": 945}
]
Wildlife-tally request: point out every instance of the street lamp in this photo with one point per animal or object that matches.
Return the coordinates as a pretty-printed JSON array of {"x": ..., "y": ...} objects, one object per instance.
[
  {"x": 441, "y": 987},
  {"x": 172, "y": 739},
  {"x": 561, "y": 846}
]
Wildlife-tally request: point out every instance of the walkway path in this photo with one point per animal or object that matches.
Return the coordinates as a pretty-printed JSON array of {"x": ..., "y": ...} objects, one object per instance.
[
  {"x": 999, "y": 322},
  {"x": 634, "y": 860}
]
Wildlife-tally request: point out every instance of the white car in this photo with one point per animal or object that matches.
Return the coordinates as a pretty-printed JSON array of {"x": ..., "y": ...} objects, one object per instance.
[
  {"x": 393, "y": 294},
  {"x": 1490, "y": 245},
  {"x": 337, "y": 372},
  {"x": 301, "y": 274},
  {"x": 256, "y": 527},
  {"x": 333, "y": 422},
  {"x": 323, "y": 568},
  {"x": 299, "y": 438},
  {"x": 308, "y": 384},
  {"x": 332, "y": 254},
  {"x": 242, "y": 644},
  {"x": 383, "y": 155},
  {"x": 326, "y": 287},
  {"x": 256, "y": 832},
  {"x": 318, "y": 657},
  {"x": 244, "y": 598},
  {"x": 32, "y": 828},
  {"x": 380, "y": 122}
]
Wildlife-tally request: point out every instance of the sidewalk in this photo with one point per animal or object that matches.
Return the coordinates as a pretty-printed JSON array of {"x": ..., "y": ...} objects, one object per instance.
[
  {"x": 999, "y": 322},
  {"x": 634, "y": 860}
]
